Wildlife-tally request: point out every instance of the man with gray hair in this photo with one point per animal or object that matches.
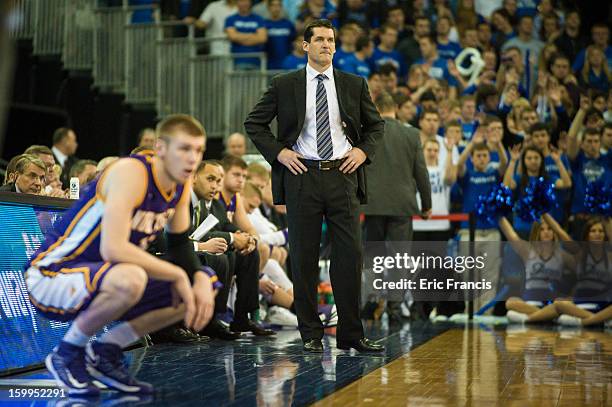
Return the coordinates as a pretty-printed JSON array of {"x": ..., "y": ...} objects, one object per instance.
[{"x": 29, "y": 176}]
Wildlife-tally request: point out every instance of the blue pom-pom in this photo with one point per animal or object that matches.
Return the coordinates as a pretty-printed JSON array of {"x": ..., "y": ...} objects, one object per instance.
[
  {"x": 598, "y": 198},
  {"x": 538, "y": 198},
  {"x": 497, "y": 203}
]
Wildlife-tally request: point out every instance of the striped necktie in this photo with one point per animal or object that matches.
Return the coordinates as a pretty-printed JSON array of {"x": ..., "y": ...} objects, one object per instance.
[{"x": 325, "y": 147}]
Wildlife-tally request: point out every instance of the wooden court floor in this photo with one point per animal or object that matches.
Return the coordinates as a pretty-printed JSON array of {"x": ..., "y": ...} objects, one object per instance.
[{"x": 484, "y": 367}]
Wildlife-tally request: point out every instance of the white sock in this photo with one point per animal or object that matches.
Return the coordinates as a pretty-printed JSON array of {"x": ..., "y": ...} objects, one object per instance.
[
  {"x": 122, "y": 335},
  {"x": 76, "y": 337}
]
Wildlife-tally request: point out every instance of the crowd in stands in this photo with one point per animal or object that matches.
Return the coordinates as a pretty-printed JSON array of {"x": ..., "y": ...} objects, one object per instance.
[{"x": 540, "y": 107}]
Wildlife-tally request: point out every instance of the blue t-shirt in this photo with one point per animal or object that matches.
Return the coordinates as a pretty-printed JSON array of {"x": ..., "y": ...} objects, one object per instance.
[
  {"x": 280, "y": 41},
  {"x": 584, "y": 171},
  {"x": 579, "y": 61},
  {"x": 493, "y": 161},
  {"x": 475, "y": 183},
  {"x": 468, "y": 129},
  {"x": 356, "y": 66},
  {"x": 292, "y": 62},
  {"x": 439, "y": 70},
  {"x": 380, "y": 57},
  {"x": 142, "y": 16},
  {"x": 246, "y": 25},
  {"x": 449, "y": 51},
  {"x": 341, "y": 57}
]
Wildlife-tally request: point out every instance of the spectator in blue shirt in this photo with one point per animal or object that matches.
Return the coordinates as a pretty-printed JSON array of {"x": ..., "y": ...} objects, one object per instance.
[
  {"x": 357, "y": 63},
  {"x": 365, "y": 13},
  {"x": 587, "y": 164},
  {"x": 447, "y": 49},
  {"x": 386, "y": 53},
  {"x": 478, "y": 180},
  {"x": 468, "y": 121},
  {"x": 281, "y": 33},
  {"x": 348, "y": 37},
  {"x": 247, "y": 33},
  {"x": 600, "y": 34},
  {"x": 595, "y": 72},
  {"x": 297, "y": 59},
  {"x": 435, "y": 66}
]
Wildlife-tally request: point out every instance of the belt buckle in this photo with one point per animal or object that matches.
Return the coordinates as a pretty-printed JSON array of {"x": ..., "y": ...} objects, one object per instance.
[{"x": 322, "y": 163}]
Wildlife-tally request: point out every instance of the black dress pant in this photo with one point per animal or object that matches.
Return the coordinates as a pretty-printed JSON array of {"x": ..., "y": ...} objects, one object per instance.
[
  {"x": 392, "y": 228},
  {"x": 246, "y": 270},
  {"x": 219, "y": 263},
  {"x": 310, "y": 197}
]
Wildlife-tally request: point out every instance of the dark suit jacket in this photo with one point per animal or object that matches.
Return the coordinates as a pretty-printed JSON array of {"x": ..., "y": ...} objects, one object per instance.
[
  {"x": 10, "y": 187},
  {"x": 394, "y": 180},
  {"x": 285, "y": 99},
  {"x": 221, "y": 229}
]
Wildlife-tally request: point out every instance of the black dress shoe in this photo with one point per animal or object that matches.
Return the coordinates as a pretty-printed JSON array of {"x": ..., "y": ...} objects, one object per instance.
[
  {"x": 178, "y": 335},
  {"x": 217, "y": 330},
  {"x": 250, "y": 326},
  {"x": 313, "y": 345},
  {"x": 360, "y": 345}
]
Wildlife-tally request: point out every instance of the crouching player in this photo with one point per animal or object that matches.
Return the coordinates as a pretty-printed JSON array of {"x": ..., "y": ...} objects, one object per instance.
[{"x": 93, "y": 268}]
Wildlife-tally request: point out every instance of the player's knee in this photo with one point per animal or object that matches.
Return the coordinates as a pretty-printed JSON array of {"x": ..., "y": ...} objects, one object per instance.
[
  {"x": 512, "y": 302},
  {"x": 264, "y": 253},
  {"x": 132, "y": 283}
]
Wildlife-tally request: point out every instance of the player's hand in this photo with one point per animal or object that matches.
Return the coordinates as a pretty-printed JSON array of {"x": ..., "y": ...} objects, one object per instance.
[
  {"x": 182, "y": 289},
  {"x": 204, "y": 296},
  {"x": 241, "y": 240},
  {"x": 426, "y": 214},
  {"x": 291, "y": 160},
  {"x": 251, "y": 245},
  {"x": 216, "y": 245},
  {"x": 267, "y": 287},
  {"x": 352, "y": 160}
]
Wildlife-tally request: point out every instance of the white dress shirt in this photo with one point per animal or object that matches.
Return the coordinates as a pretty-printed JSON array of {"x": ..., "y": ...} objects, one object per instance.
[
  {"x": 306, "y": 144},
  {"x": 61, "y": 157}
]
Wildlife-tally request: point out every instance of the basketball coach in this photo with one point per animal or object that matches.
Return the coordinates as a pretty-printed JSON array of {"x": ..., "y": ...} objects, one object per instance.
[{"x": 328, "y": 128}]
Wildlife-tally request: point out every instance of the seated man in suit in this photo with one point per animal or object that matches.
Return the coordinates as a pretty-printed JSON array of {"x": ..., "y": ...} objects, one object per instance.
[
  {"x": 243, "y": 260},
  {"x": 28, "y": 176}
]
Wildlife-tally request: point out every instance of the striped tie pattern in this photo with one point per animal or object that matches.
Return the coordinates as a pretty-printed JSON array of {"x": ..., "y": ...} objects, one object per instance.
[{"x": 325, "y": 147}]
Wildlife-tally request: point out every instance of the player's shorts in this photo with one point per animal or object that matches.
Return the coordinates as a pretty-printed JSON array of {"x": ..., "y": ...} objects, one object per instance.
[{"x": 61, "y": 291}]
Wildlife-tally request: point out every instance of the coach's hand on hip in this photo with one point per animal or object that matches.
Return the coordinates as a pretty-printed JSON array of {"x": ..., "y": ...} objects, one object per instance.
[
  {"x": 291, "y": 160},
  {"x": 352, "y": 160}
]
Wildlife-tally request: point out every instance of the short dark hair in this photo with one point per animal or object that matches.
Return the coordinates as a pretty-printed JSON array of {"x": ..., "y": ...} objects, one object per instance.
[
  {"x": 80, "y": 165},
  {"x": 230, "y": 161},
  {"x": 491, "y": 118},
  {"x": 606, "y": 126},
  {"x": 538, "y": 126},
  {"x": 592, "y": 112},
  {"x": 309, "y": 30},
  {"x": 480, "y": 146},
  {"x": 591, "y": 132},
  {"x": 204, "y": 163},
  {"x": 59, "y": 134},
  {"x": 387, "y": 69},
  {"x": 428, "y": 111},
  {"x": 427, "y": 96},
  {"x": 362, "y": 42}
]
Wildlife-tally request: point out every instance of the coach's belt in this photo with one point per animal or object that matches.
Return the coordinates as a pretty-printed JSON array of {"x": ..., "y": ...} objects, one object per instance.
[{"x": 322, "y": 165}]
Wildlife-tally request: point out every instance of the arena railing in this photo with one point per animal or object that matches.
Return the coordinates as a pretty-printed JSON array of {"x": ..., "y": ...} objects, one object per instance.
[
  {"x": 79, "y": 25},
  {"x": 222, "y": 95},
  {"x": 141, "y": 62},
  {"x": 49, "y": 27},
  {"x": 24, "y": 29}
]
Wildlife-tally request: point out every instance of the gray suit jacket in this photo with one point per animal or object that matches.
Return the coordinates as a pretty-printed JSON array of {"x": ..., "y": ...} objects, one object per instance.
[{"x": 396, "y": 174}]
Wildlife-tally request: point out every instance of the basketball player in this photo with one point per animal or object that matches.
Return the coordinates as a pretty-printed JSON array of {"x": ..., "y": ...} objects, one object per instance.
[{"x": 93, "y": 267}]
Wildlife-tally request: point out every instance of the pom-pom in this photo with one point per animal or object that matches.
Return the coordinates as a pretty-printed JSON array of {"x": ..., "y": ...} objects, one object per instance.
[
  {"x": 539, "y": 197},
  {"x": 598, "y": 198},
  {"x": 497, "y": 203}
]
